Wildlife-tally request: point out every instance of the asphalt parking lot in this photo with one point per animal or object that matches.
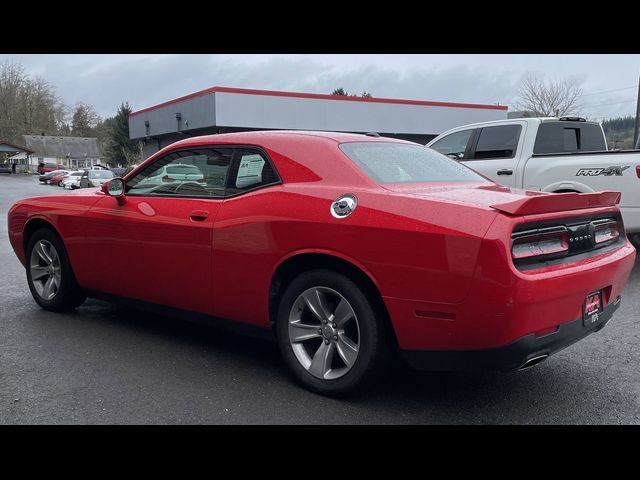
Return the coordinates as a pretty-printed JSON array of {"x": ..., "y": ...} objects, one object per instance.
[{"x": 107, "y": 364}]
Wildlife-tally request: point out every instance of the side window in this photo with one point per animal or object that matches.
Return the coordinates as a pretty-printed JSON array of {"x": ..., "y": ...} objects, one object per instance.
[
  {"x": 252, "y": 171},
  {"x": 497, "y": 142},
  {"x": 198, "y": 172},
  {"x": 454, "y": 144}
]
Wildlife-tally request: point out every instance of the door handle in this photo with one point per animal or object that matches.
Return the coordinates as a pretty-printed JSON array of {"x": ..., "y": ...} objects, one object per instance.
[
  {"x": 505, "y": 171},
  {"x": 199, "y": 215}
]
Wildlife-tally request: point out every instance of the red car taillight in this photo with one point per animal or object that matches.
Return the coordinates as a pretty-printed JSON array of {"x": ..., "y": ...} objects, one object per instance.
[
  {"x": 638, "y": 170},
  {"x": 543, "y": 243},
  {"x": 605, "y": 232}
]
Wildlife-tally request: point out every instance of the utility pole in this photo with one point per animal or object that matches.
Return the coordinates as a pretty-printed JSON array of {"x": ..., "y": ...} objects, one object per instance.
[{"x": 636, "y": 130}]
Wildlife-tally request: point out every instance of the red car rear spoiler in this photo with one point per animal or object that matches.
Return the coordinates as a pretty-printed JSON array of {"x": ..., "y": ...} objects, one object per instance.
[{"x": 558, "y": 202}]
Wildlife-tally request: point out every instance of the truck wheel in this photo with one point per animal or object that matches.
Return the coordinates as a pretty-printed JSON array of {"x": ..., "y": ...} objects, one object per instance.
[
  {"x": 329, "y": 333},
  {"x": 49, "y": 273}
]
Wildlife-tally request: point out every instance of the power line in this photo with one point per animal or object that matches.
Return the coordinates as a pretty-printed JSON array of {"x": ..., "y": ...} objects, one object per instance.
[
  {"x": 608, "y": 91},
  {"x": 612, "y": 103}
]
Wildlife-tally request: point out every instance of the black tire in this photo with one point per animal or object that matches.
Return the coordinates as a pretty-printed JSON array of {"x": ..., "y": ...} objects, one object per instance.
[
  {"x": 634, "y": 238},
  {"x": 373, "y": 355},
  {"x": 68, "y": 295}
]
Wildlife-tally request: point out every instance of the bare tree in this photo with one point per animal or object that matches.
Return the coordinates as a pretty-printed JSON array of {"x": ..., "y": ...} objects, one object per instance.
[
  {"x": 27, "y": 105},
  {"x": 549, "y": 98}
]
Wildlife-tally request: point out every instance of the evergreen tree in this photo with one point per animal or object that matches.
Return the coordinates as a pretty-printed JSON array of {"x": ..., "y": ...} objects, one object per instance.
[
  {"x": 84, "y": 120},
  {"x": 341, "y": 92},
  {"x": 120, "y": 149}
]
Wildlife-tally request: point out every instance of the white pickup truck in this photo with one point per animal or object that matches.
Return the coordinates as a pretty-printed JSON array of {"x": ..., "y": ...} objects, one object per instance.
[{"x": 566, "y": 154}]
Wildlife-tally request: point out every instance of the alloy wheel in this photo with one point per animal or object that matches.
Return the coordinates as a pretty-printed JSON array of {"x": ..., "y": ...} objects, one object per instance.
[
  {"x": 324, "y": 333},
  {"x": 45, "y": 269}
]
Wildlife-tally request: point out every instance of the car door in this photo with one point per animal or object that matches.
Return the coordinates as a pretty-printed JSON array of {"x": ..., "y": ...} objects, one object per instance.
[
  {"x": 157, "y": 246},
  {"x": 493, "y": 151},
  {"x": 244, "y": 250}
]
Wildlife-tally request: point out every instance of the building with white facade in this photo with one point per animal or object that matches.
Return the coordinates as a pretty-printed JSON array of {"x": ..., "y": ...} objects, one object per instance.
[{"x": 224, "y": 109}]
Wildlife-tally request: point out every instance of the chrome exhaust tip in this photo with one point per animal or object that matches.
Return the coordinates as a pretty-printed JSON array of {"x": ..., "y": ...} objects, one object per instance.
[{"x": 534, "y": 361}]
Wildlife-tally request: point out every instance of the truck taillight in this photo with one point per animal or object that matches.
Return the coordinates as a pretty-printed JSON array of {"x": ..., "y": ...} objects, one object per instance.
[
  {"x": 638, "y": 170},
  {"x": 605, "y": 232},
  {"x": 542, "y": 243}
]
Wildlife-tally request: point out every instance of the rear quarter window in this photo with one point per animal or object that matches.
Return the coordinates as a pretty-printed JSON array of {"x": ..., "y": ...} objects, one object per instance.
[
  {"x": 386, "y": 162},
  {"x": 561, "y": 136}
]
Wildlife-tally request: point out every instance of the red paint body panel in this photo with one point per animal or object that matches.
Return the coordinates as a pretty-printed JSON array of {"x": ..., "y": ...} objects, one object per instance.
[
  {"x": 56, "y": 180},
  {"x": 45, "y": 169},
  {"x": 506, "y": 304},
  {"x": 438, "y": 253}
]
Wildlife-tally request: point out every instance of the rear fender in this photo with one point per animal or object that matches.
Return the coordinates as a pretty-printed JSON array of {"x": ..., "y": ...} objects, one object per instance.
[{"x": 565, "y": 185}]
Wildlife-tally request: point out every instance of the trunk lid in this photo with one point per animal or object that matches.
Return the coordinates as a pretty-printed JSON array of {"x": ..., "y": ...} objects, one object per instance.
[{"x": 504, "y": 199}]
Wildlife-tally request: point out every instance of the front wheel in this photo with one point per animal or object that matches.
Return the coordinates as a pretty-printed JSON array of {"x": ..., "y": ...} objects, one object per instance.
[
  {"x": 329, "y": 333},
  {"x": 49, "y": 273}
]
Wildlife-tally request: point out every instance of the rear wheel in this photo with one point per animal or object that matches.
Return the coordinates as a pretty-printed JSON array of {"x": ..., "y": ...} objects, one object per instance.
[
  {"x": 634, "y": 238},
  {"x": 330, "y": 335},
  {"x": 49, "y": 273}
]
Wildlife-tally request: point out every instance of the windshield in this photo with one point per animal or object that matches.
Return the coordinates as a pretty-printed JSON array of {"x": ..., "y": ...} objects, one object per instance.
[
  {"x": 100, "y": 174},
  {"x": 387, "y": 162}
]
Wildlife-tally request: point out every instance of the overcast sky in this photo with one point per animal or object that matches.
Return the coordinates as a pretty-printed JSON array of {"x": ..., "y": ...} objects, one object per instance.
[{"x": 104, "y": 81}]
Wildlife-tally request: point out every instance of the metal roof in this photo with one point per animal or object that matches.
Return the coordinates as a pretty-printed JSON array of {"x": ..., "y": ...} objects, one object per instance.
[
  {"x": 12, "y": 148},
  {"x": 63, "y": 147}
]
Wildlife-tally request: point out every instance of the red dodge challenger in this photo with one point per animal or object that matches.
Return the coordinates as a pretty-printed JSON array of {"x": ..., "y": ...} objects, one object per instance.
[{"x": 347, "y": 248}]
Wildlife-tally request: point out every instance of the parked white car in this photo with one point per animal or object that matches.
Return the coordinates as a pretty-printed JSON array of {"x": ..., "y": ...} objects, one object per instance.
[
  {"x": 71, "y": 180},
  {"x": 173, "y": 173},
  {"x": 565, "y": 154}
]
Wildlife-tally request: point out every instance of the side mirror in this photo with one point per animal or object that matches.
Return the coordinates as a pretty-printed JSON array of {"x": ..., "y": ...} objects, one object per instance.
[{"x": 115, "y": 188}]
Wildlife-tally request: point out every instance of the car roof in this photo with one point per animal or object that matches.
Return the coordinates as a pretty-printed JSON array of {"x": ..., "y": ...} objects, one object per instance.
[
  {"x": 262, "y": 135},
  {"x": 302, "y": 148}
]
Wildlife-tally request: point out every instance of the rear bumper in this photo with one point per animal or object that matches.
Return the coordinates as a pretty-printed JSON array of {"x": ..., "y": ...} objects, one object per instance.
[{"x": 512, "y": 356}]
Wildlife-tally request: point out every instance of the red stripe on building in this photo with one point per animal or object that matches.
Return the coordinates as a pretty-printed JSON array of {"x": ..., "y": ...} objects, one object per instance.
[{"x": 273, "y": 93}]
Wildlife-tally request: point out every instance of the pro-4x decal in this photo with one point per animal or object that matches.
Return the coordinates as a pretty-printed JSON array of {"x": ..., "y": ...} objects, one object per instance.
[{"x": 594, "y": 172}]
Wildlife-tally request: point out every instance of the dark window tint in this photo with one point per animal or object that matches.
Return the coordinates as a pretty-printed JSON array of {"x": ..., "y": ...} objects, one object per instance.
[
  {"x": 251, "y": 170},
  {"x": 453, "y": 144},
  {"x": 387, "y": 162},
  {"x": 561, "y": 136},
  {"x": 571, "y": 138},
  {"x": 497, "y": 142}
]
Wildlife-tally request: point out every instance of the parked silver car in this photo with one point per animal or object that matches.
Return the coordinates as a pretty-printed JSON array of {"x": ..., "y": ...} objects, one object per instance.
[{"x": 95, "y": 178}]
